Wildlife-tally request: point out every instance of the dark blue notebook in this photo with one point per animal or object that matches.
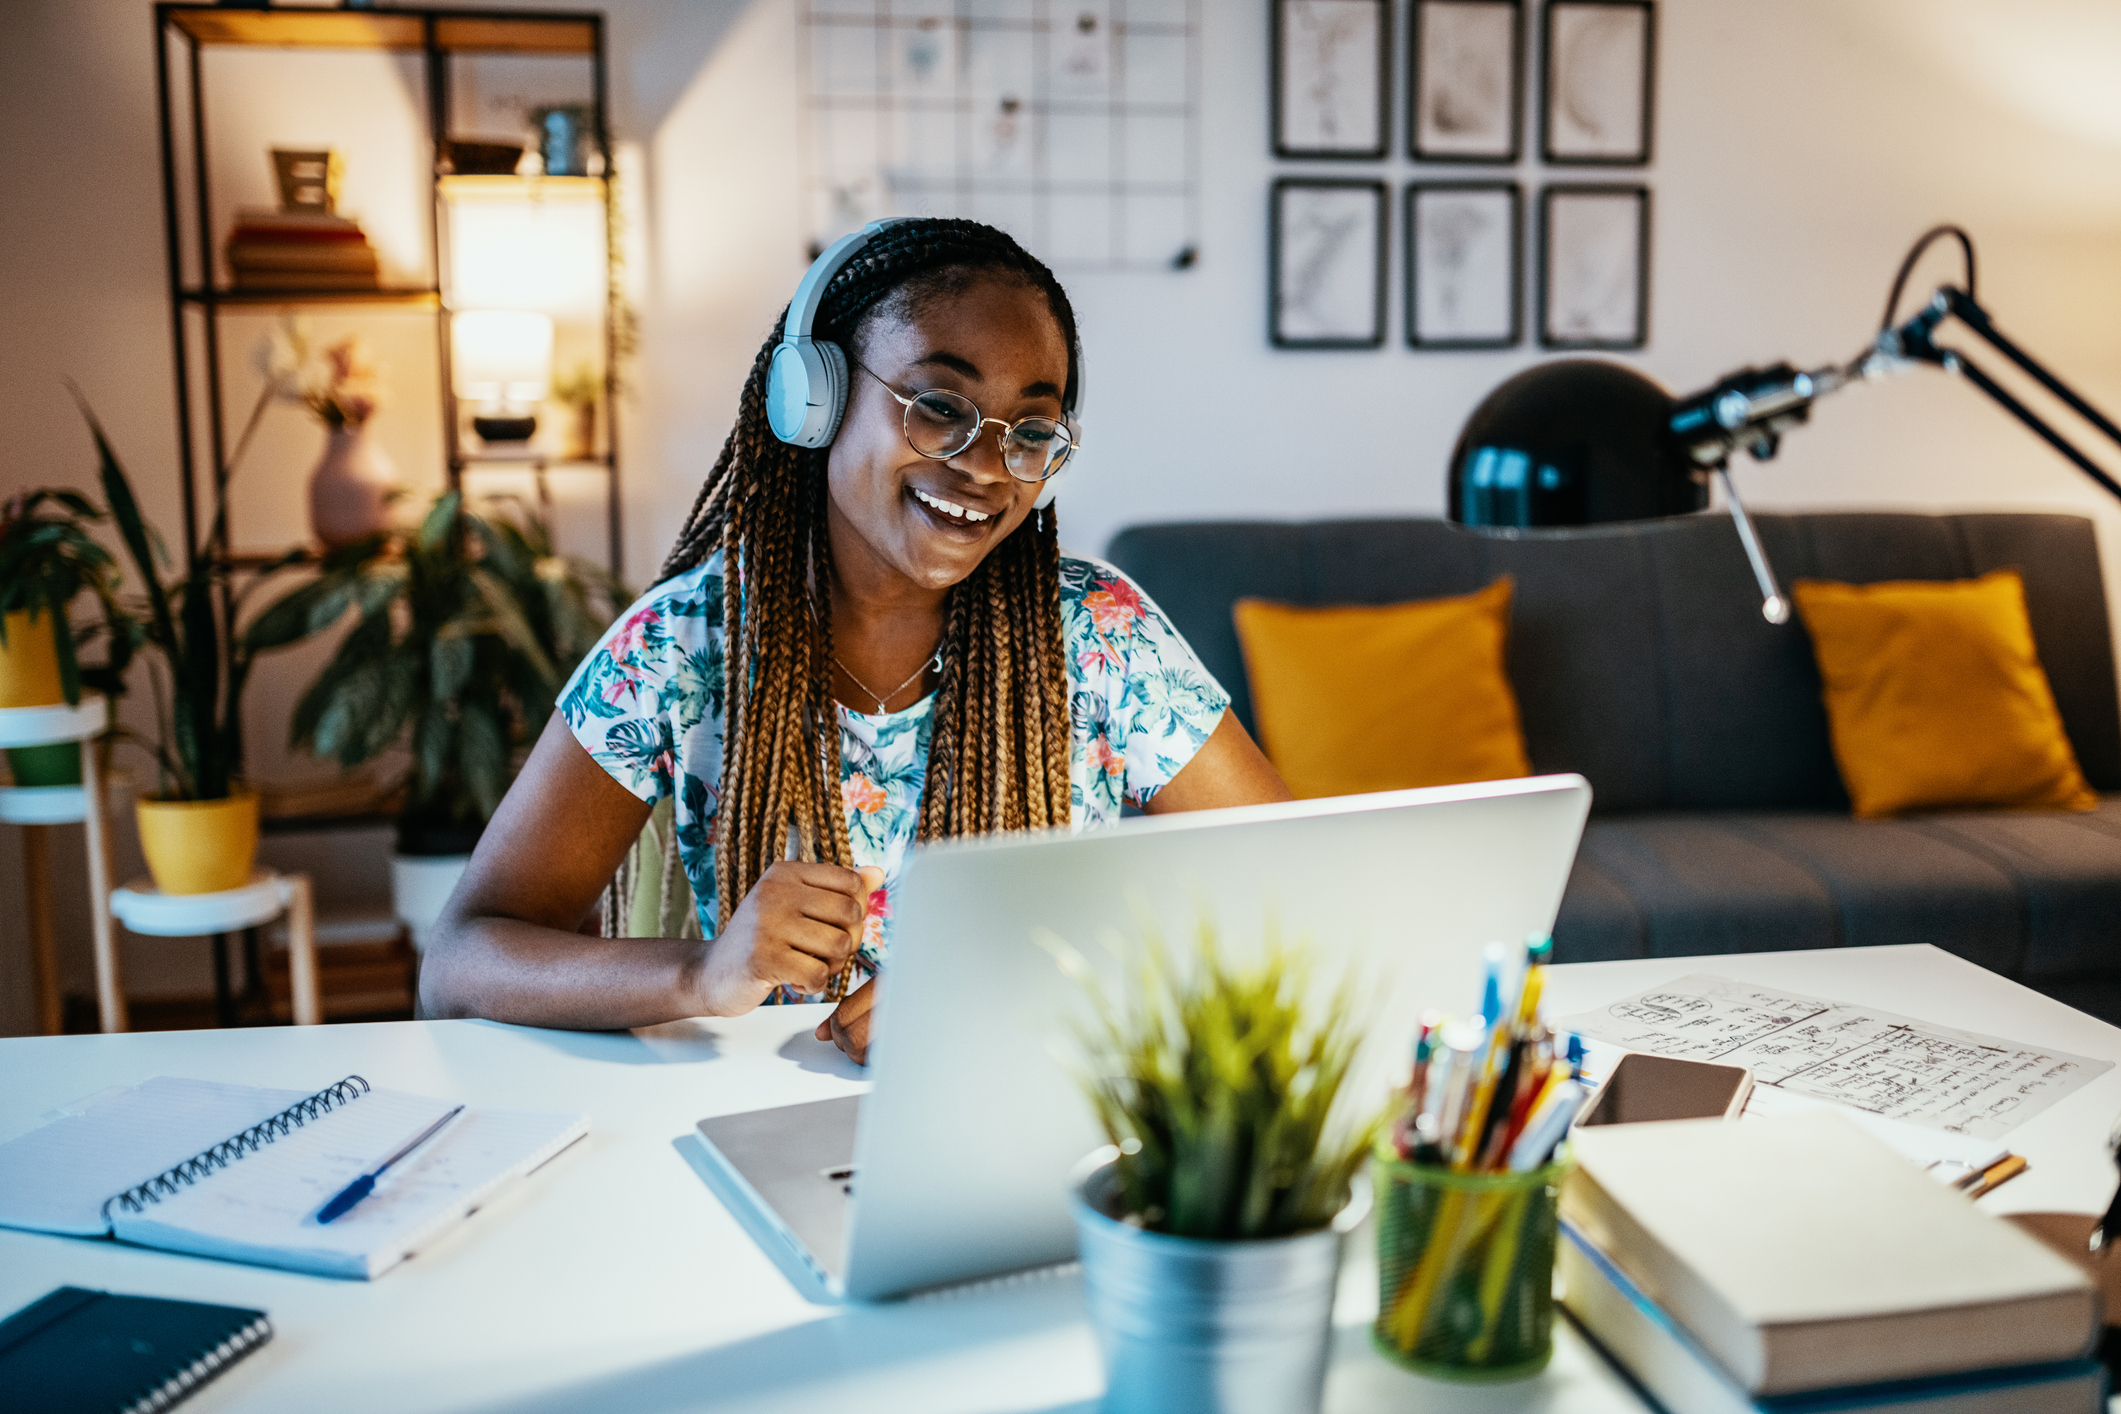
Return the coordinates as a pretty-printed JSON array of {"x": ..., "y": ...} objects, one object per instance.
[{"x": 77, "y": 1351}]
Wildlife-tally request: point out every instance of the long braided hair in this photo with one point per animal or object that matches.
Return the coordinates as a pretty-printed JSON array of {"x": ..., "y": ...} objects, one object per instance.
[{"x": 998, "y": 752}]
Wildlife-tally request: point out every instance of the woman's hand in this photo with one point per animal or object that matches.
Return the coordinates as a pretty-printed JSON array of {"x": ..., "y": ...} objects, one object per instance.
[
  {"x": 848, "y": 1026},
  {"x": 796, "y": 928}
]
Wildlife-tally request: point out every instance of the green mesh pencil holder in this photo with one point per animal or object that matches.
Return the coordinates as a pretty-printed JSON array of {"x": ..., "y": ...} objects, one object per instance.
[{"x": 1465, "y": 1266}]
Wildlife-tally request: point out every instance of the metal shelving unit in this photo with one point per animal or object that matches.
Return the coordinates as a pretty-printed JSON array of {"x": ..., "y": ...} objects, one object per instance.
[{"x": 197, "y": 301}]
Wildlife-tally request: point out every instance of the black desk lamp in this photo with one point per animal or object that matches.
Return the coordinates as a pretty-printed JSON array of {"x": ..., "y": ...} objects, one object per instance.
[{"x": 1579, "y": 441}]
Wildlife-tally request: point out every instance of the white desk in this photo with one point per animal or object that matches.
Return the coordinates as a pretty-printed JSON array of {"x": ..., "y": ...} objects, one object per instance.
[{"x": 612, "y": 1279}]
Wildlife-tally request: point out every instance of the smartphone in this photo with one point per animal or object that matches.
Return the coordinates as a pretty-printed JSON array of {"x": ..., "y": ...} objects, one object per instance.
[{"x": 1644, "y": 1087}]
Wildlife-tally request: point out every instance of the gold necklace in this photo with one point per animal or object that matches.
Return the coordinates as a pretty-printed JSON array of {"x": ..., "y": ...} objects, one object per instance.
[{"x": 935, "y": 663}]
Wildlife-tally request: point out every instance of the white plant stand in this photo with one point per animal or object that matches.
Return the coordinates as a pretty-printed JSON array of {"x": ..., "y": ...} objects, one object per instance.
[
  {"x": 147, "y": 910},
  {"x": 36, "y": 808}
]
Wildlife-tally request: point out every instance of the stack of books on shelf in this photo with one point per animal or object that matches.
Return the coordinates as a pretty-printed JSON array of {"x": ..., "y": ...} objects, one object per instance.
[
  {"x": 1798, "y": 1264},
  {"x": 300, "y": 250}
]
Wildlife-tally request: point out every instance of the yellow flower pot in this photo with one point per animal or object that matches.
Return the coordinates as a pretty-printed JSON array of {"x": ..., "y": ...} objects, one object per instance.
[
  {"x": 29, "y": 663},
  {"x": 200, "y": 846}
]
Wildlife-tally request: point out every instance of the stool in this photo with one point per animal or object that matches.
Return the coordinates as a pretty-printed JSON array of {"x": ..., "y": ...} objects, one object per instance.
[
  {"x": 147, "y": 910},
  {"x": 38, "y": 807}
]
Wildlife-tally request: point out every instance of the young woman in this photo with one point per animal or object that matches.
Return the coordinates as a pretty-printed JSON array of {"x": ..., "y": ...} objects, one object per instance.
[{"x": 850, "y": 649}]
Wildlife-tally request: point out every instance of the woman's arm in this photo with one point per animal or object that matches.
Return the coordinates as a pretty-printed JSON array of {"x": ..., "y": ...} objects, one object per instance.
[
  {"x": 507, "y": 947},
  {"x": 1227, "y": 770}
]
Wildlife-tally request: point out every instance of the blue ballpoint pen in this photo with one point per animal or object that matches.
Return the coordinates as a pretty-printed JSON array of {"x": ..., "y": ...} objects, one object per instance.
[{"x": 361, "y": 1187}]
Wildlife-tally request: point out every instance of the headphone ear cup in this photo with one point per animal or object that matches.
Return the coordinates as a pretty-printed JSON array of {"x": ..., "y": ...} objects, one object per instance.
[
  {"x": 833, "y": 404},
  {"x": 806, "y": 392}
]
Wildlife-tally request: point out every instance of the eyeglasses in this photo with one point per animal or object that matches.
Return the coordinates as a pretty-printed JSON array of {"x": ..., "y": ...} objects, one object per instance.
[{"x": 941, "y": 424}]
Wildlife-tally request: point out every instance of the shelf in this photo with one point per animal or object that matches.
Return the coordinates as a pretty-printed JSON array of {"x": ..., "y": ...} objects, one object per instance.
[
  {"x": 458, "y": 30},
  {"x": 489, "y": 457},
  {"x": 480, "y": 188},
  {"x": 412, "y": 299},
  {"x": 47, "y": 726}
]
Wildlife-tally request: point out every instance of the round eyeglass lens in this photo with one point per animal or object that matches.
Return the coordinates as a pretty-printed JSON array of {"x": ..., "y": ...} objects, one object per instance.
[
  {"x": 1034, "y": 448},
  {"x": 941, "y": 423}
]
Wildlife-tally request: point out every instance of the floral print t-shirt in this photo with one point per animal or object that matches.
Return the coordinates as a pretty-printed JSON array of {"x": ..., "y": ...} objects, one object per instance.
[{"x": 647, "y": 705}]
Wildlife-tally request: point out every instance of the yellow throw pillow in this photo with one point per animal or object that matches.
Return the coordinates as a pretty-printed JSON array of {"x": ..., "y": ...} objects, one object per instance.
[
  {"x": 1936, "y": 698},
  {"x": 1355, "y": 699}
]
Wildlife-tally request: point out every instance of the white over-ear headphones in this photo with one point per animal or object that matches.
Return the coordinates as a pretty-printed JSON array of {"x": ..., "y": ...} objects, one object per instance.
[{"x": 806, "y": 382}]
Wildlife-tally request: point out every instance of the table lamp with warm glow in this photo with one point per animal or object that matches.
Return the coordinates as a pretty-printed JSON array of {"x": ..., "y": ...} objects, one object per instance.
[{"x": 503, "y": 367}]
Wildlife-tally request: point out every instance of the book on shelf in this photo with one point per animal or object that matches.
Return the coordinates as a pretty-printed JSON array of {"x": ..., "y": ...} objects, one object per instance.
[
  {"x": 285, "y": 250},
  {"x": 1803, "y": 1254},
  {"x": 1663, "y": 1357}
]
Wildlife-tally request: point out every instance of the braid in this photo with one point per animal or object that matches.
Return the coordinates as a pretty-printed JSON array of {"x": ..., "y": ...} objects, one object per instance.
[{"x": 999, "y": 742}]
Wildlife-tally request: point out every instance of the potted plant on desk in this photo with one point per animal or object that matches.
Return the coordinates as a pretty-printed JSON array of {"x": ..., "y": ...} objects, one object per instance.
[
  {"x": 464, "y": 632},
  {"x": 1210, "y": 1228},
  {"x": 47, "y": 559}
]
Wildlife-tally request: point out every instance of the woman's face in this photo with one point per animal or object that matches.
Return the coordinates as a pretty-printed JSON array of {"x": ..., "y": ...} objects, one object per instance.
[{"x": 996, "y": 342}]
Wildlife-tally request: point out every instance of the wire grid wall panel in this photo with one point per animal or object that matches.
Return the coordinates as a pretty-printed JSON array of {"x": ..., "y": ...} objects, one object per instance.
[{"x": 1072, "y": 124}]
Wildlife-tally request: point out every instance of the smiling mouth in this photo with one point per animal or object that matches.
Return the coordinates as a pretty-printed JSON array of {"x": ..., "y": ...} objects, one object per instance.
[{"x": 951, "y": 511}]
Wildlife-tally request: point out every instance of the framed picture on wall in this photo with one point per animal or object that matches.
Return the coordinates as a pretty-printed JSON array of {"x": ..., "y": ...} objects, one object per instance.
[
  {"x": 1332, "y": 77},
  {"x": 1594, "y": 267},
  {"x": 1597, "y": 75},
  {"x": 1465, "y": 256},
  {"x": 1465, "y": 105},
  {"x": 1326, "y": 264}
]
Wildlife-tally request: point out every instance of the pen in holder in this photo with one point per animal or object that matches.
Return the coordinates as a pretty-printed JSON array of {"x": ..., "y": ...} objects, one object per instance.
[{"x": 1465, "y": 1267}]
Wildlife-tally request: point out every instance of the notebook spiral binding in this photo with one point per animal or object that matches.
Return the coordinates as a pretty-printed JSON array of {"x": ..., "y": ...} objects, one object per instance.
[
  {"x": 173, "y": 1390},
  {"x": 166, "y": 1183}
]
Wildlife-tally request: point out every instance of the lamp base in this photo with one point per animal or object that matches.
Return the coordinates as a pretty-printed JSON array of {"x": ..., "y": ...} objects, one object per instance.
[{"x": 505, "y": 429}]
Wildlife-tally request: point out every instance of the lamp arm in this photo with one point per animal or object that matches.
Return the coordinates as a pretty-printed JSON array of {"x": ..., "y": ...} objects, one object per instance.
[{"x": 1914, "y": 340}]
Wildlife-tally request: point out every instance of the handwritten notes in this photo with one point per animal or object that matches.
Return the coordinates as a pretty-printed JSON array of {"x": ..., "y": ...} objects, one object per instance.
[{"x": 1871, "y": 1060}]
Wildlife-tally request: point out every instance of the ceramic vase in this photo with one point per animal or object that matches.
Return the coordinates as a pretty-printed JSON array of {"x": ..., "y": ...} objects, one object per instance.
[
  {"x": 29, "y": 662},
  {"x": 350, "y": 491}
]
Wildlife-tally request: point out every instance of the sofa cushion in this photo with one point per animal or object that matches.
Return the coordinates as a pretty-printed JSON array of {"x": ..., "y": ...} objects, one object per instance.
[
  {"x": 2067, "y": 870},
  {"x": 1936, "y": 698},
  {"x": 1356, "y": 697},
  {"x": 1702, "y": 886}
]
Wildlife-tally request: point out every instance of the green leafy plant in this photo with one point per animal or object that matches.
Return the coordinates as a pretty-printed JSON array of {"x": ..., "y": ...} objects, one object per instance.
[
  {"x": 190, "y": 622},
  {"x": 47, "y": 559},
  {"x": 464, "y": 632},
  {"x": 1219, "y": 1097}
]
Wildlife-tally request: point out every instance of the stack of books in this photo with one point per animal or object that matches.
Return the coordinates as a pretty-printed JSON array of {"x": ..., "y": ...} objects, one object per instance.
[
  {"x": 1799, "y": 1264},
  {"x": 300, "y": 250}
]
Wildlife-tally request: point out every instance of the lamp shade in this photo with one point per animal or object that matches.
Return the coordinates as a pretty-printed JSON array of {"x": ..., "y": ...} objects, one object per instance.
[
  {"x": 1572, "y": 442},
  {"x": 501, "y": 356}
]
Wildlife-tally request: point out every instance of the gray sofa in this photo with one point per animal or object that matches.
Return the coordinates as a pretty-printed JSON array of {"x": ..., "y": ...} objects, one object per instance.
[{"x": 1640, "y": 659}]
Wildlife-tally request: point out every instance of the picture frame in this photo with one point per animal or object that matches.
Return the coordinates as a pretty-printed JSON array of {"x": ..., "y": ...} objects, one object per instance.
[
  {"x": 1465, "y": 264},
  {"x": 1332, "y": 78},
  {"x": 1465, "y": 99},
  {"x": 1326, "y": 255},
  {"x": 1598, "y": 82},
  {"x": 1594, "y": 266}
]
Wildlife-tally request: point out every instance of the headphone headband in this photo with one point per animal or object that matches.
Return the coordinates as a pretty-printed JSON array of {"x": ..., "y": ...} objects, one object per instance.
[{"x": 806, "y": 381}]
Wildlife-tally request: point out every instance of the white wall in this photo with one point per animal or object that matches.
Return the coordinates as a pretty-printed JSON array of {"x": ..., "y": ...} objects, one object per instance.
[{"x": 1801, "y": 145}]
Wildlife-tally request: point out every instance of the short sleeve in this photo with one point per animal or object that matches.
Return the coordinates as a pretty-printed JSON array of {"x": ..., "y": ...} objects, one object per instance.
[
  {"x": 647, "y": 682},
  {"x": 1150, "y": 704}
]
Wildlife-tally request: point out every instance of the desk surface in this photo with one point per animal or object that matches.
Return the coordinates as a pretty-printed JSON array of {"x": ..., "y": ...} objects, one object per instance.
[{"x": 613, "y": 1279}]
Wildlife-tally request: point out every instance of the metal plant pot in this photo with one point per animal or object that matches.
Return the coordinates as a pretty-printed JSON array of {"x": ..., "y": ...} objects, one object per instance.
[{"x": 1193, "y": 1326}]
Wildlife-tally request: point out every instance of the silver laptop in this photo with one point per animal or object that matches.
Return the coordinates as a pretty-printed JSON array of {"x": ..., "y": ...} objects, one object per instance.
[{"x": 954, "y": 1166}]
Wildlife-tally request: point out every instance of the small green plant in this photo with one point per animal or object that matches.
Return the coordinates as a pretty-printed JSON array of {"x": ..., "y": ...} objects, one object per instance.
[
  {"x": 464, "y": 632},
  {"x": 1219, "y": 1097},
  {"x": 47, "y": 559}
]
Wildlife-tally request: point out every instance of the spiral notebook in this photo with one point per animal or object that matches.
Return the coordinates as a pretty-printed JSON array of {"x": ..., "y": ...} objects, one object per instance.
[{"x": 239, "y": 1173}]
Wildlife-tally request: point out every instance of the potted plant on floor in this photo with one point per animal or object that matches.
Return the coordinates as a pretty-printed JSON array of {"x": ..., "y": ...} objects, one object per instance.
[
  {"x": 48, "y": 559},
  {"x": 199, "y": 830},
  {"x": 1210, "y": 1228},
  {"x": 464, "y": 632}
]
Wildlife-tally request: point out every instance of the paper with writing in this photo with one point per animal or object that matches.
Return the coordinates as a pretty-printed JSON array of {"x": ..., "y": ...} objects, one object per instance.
[{"x": 1895, "y": 1066}]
